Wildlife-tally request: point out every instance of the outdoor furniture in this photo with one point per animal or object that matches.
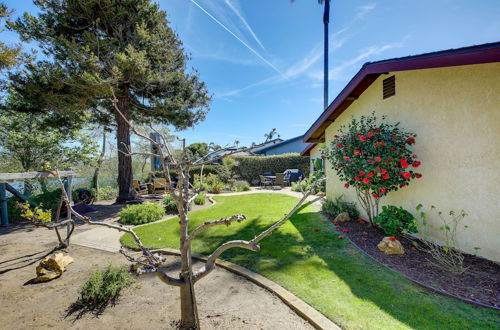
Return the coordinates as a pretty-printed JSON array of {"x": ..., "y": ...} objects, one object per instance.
[
  {"x": 140, "y": 188},
  {"x": 280, "y": 180},
  {"x": 294, "y": 175},
  {"x": 265, "y": 181},
  {"x": 158, "y": 185}
]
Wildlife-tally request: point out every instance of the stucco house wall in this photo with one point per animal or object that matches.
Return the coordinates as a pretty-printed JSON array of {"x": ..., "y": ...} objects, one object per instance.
[{"x": 456, "y": 113}]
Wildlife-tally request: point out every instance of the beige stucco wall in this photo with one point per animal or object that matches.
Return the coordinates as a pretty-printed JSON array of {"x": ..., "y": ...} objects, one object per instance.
[{"x": 456, "y": 113}]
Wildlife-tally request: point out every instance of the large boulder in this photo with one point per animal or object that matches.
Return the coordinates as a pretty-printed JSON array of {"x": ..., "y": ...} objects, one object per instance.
[
  {"x": 342, "y": 217},
  {"x": 52, "y": 267},
  {"x": 390, "y": 245}
]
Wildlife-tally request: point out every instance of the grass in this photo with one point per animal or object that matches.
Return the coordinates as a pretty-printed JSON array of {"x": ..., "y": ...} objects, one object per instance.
[{"x": 328, "y": 273}]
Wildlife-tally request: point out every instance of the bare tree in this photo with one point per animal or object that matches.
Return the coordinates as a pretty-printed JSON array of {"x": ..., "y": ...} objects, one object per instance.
[{"x": 183, "y": 192}]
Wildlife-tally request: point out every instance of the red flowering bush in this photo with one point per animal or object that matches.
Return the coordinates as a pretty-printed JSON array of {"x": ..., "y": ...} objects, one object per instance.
[{"x": 373, "y": 157}]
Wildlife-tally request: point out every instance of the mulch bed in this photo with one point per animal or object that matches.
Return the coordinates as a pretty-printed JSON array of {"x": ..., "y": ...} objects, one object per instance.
[{"x": 480, "y": 284}]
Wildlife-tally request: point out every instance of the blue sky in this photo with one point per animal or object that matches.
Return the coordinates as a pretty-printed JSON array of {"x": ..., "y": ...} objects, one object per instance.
[{"x": 263, "y": 59}]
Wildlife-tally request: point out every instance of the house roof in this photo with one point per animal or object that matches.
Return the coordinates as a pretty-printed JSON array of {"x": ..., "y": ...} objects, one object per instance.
[
  {"x": 307, "y": 150},
  {"x": 369, "y": 72},
  {"x": 282, "y": 143}
]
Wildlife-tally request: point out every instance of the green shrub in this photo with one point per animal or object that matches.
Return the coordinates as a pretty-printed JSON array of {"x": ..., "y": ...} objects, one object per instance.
[
  {"x": 195, "y": 170},
  {"x": 395, "y": 220},
  {"x": 169, "y": 204},
  {"x": 141, "y": 213},
  {"x": 339, "y": 205},
  {"x": 48, "y": 200},
  {"x": 305, "y": 184},
  {"x": 241, "y": 187},
  {"x": 106, "y": 193},
  {"x": 250, "y": 167},
  {"x": 200, "y": 199},
  {"x": 102, "y": 287},
  {"x": 211, "y": 183}
]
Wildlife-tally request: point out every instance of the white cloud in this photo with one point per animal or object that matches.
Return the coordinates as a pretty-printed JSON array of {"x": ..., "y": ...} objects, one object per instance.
[
  {"x": 234, "y": 5},
  {"x": 240, "y": 39},
  {"x": 362, "y": 11}
]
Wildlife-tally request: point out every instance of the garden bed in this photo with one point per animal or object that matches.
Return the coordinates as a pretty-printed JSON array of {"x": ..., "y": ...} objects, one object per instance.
[{"x": 480, "y": 284}]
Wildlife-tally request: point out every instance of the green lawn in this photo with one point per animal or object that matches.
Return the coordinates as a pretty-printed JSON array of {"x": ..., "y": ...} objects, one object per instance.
[{"x": 328, "y": 273}]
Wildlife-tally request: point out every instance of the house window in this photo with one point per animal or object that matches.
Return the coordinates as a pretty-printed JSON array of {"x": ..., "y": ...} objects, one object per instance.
[
  {"x": 316, "y": 165},
  {"x": 389, "y": 87}
]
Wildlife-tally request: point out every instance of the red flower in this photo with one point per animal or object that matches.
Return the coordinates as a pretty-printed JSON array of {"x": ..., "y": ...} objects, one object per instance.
[
  {"x": 347, "y": 158},
  {"x": 336, "y": 136},
  {"x": 416, "y": 164},
  {"x": 357, "y": 178},
  {"x": 346, "y": 185},
  {"x": 414, "y": 156},
  {"x": 377, "y": 129},
  {"x": 362, "y": 138},
  {"x": 404, "y": 163},
  {"x": 357, "y": 152},
  {"x": 385, "y": 176},
  {"x": 378, "y": 159},
  {"x": 326, "y": 231},
  {"x": 371, "y": 161},
  {"x": 370, "y": 174},
  {"x": 403, "y": 185},
  {"x": 340, "y": 237},
  {"x": 345, "y": 230},
  {"x": 410, "y": 140},
  {"x": 394, "y": 136},
  {"x": 406, "y": 175},
  {"x": 361, "y": 173},
  {"x": 377, "y": 168},
  {"x": 339, "y": 145},
  {"x": 370, "y": 134},
  {"x": 366, "y": 180},
  {"x": 383, "y": 190},
  {"x": 316, "y": 229},
  {"x": 392, "y": 238},
  {"x": 418, "y": 175},
  {"x": 383, "y": 171},
  {"x": 375, "y": 195}
]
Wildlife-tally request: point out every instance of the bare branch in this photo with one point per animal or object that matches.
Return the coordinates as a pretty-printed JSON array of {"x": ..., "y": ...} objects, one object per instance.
[{"x": 208, "y": 224}]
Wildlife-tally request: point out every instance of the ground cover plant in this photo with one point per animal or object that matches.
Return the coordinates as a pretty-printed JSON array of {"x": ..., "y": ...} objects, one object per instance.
[
  {"x": 338, "y": 205},
  {"x": 141, "y": 213},
  {"x": 101, "y": 289},
  {"x": 327, "y": 272}
]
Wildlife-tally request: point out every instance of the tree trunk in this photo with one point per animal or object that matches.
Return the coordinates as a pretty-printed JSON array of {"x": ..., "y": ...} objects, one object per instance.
[
  {"x": 126, "y": 189},
  {"x": 189, "y": 311},
  {"x": 95, "y": 179}
]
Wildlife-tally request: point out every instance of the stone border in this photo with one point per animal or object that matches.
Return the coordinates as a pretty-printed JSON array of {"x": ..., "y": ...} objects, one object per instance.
[{"x": 304, "y": 310}]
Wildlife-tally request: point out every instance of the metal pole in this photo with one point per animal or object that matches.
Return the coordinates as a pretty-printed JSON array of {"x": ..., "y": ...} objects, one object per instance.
[
  {"x": 326, "y": 20},
  {"x": 3, "y": 204},
  {"x": 68, "y": 189}
]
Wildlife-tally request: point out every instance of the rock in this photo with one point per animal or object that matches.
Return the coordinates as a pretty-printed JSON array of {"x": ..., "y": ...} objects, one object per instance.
[
  {"x": 390, "y": 245},
  {"x": 52, "y": 267},
  {"x": 342, "y": 217}
]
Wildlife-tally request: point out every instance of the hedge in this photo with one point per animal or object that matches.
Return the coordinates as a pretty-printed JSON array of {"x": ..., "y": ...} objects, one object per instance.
[
  {"x": 250, "y": 167},
  {"x": 207, "y": 169}
]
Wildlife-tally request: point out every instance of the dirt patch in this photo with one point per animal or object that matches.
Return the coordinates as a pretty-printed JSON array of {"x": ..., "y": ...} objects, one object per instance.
[
  {"x": 481, "y": 282},
  {"x": 226, "y": 301}
]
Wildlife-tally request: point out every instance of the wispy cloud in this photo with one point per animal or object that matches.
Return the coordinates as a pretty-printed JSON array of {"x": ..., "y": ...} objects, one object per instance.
[
  {"x": 235, "y": 8},
  {"x": 362, "y": 11},
  {"x": 272, "y": 66},
  {"x": 339, "y": 71}
]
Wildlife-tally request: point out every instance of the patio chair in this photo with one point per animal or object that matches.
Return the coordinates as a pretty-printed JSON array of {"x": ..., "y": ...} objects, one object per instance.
[
  {"x": 140, "y": 188},
  {"x": 280, "y": 180},
  {"x": 158, "y": 185},
  {"x": 265, "y": 181}
]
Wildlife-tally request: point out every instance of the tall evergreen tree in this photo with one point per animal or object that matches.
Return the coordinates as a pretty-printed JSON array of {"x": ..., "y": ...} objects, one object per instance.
[{"x": 104, "y": 54}]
